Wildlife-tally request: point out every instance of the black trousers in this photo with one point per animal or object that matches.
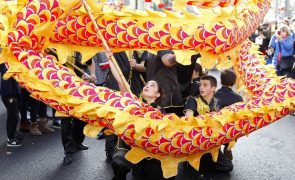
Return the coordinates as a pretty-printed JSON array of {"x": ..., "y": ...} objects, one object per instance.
[
  {"x": 53, "y": 114},
  {"x": 207, "y": 167},
  {"x": 149, "y": 169},
  {"x": 144, "y": 170},
  {"x": 42, "y": 110},
  {"x": 110, "y": 145},
  {"x": 288, "y": 73},
  {"x": 28, "y": 101},
  {"x": 11, "y": 104},
  {"x": 120, "y": 165},
  {"x": 71, "y": 133}
]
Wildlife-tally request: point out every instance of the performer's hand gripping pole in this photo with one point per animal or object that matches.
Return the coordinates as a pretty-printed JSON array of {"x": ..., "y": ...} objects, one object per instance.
[{"x": 106, "y": 47}]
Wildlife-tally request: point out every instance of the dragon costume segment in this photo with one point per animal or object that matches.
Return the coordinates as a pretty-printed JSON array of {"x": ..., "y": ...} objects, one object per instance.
[{"x": 171, "y": 139}]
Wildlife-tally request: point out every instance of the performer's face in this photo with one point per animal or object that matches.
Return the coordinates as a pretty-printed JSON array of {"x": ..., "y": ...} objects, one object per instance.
[
  {"x": 151, "y": 90},
  {"x": 206, "y": 89}
]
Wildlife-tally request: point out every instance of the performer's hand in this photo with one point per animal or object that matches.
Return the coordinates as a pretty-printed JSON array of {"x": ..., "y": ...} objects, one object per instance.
[
  {"x": 132, "y": 63},
  {"x": 92, "y": 79},
  {"x": 169, "y": 60},
  {"x": 109, "y": 54},
  {"x": 85, "y": 77},
  {"x": 88, "y": 78}
]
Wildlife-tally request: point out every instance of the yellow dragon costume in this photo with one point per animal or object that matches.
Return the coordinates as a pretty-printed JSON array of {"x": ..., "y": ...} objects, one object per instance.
[{"x": 219, "y": 30}]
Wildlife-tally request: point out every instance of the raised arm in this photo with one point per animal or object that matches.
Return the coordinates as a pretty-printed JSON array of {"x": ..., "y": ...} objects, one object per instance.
[
  {"x": 91, "y": 68},
  {"x": 168, "y": 58},
  {"x": 137, "y": 66}
]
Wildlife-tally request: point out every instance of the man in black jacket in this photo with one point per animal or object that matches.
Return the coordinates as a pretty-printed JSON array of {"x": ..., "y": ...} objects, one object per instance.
[
  {"x": 227, "y": 96},
  {"x": 72, "y": 128},
  {"x": 10, "y": 93}
]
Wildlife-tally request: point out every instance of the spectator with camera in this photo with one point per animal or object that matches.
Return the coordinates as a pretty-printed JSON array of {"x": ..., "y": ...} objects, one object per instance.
[{"x": 281, "y": 45}]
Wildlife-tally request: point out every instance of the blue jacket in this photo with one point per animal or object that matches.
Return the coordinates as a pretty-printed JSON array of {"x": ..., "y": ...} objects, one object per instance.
[
  {"x": 286, "y": 47},
  {"x": 8, "y": 87}
]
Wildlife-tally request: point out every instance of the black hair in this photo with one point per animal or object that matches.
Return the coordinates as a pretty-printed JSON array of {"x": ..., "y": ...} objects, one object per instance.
[
  {"x": 228, "y": 77},
  {"x": 160, "y": 90},
  {"x": 159, "y": 87},
  {"x": 210, "y": 78},
  {"x": 199, "y": 69}
]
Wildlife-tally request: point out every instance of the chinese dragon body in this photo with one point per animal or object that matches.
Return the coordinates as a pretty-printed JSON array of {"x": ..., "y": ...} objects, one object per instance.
[{"x": 218, "y": 31}]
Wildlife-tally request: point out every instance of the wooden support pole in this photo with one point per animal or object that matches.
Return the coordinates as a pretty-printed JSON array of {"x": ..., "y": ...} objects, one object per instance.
[{"x": 106, "y": 46}]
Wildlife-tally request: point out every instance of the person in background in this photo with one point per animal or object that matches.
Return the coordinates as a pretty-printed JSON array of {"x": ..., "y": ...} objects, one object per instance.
[
  {"x": 282, "y": 46},
  {"x": 228, "y": 96},
  {"x": 37, "y": 110},
  {"x": 253, "y": 36},
  {"x": 43, "y": 123},
  {"x": 101, "y": 68},
  {"x": 25, "y": 124},
  {"x": 56, "y": 121},
  {"x": 31, "y": 105},
  {"x": 286, "y": 22},
  {"x": 10, "y": 95},
  {"x": 259, "y": 40},
  {"x": 263, "y": 48},
  {"x": 72, "y": 128},
  {"x": 291, "y": 74},
  {"x": 101, "y": 65}
]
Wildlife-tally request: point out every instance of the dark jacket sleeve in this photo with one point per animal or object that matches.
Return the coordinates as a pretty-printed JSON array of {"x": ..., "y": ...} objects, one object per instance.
[
  {"x": 191, "y": 104},
  {"x": 2, "y": 69},
  {"x": 240, "y": 99}
]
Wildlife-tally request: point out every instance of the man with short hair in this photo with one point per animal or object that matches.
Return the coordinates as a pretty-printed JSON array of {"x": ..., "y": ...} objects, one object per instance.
[
  {"x": 227, "y": 96},
  {"x": 72, "y": 128},
  {"x": 204, "y": 103}
]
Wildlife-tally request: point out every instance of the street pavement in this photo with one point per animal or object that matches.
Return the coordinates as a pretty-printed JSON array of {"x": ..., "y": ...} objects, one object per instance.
[{"x": 265, "y": 154}]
